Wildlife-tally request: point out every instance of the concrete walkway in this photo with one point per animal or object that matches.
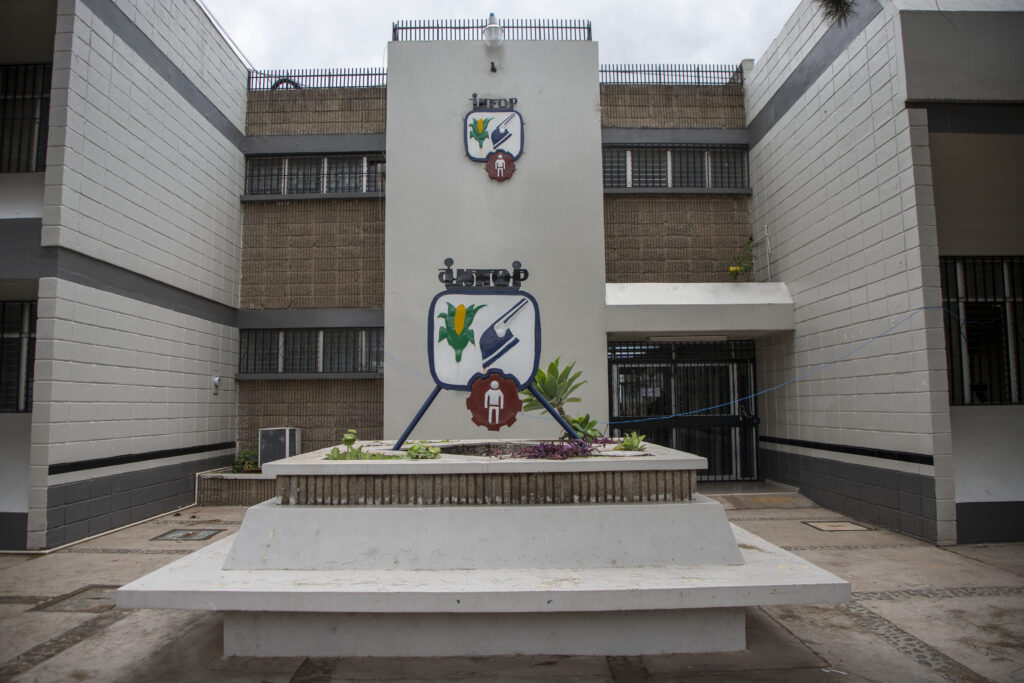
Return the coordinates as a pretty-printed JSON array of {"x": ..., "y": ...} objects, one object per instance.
[{"x": 918, "y": 613}]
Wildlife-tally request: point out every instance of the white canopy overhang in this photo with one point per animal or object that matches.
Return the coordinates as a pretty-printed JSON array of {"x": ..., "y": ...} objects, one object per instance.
[{"x": 684, "y": 310}]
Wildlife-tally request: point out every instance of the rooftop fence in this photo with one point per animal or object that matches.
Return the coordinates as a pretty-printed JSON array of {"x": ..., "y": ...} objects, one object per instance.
[
  {"x": 473, "y": 29},
  {"x": 671, "y": 74},
  {"x": 612, "y": 74}
]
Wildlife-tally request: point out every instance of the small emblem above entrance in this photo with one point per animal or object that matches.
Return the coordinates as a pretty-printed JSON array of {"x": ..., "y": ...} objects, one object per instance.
[{"x": 493, "y": 130}]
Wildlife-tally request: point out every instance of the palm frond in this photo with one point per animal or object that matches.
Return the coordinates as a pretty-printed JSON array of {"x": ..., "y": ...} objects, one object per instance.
[{"x": 835, "y": 11}]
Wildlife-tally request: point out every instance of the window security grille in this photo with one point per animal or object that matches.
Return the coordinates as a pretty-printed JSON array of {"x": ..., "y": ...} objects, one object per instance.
[
  {"x": 24, "y": 117},
  {"x": 314, "y": 175},
  {"x": 681, "y": 166},
  {"x": 339, "y": 350},
  {"x": 984, "y": 326},
  {"x": 17, "y": 355}
]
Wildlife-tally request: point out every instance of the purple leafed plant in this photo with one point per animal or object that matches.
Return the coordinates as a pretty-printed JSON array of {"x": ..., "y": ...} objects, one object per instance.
[{"x": 555, "y": 450}]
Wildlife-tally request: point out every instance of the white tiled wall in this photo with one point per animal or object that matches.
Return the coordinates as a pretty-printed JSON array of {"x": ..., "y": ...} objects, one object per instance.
[
  {"x": 184, "y": 33},
  {"x": 843, "y": 184},
  {"x": 117, "y": 376},
  {"x": 135, "y": 175}
]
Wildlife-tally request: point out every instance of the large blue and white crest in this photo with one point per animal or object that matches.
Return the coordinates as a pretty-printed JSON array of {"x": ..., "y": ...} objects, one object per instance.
[{"x": 492, "y": 130}]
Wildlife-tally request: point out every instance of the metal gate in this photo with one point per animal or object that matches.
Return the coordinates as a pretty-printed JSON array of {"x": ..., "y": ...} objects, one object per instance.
[{"x": 697, "y": 388}]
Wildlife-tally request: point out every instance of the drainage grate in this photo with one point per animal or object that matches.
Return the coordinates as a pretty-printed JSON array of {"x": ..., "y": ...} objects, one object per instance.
[
  {"x": 94, "y": 598},
  {"x": 187, "y": 535},
  {"x": 837, "y": 526}
]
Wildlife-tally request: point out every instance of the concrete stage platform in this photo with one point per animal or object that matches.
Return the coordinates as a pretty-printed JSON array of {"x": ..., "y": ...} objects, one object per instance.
[{"x": 373, "y": 565}]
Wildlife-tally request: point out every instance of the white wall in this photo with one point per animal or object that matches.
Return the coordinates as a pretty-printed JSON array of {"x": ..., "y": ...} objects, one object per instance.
[
  {"x": 15, "y": 430},
  {"x": 549, "y": 215},
  {"x": 21, "y": 195},
  {"x": 116, "y": 376},
  {"x": 843, "y": 184},
  {"x": 987, "y": 455},
  {"x": 135, "y": 175}
]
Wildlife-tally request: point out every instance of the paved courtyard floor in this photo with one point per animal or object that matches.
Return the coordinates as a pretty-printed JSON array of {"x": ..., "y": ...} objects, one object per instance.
[{"x": 918, "y": 613}]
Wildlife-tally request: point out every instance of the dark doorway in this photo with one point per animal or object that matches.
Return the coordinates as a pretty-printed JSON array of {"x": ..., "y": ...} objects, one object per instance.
[{"x": 701, "y": 389}]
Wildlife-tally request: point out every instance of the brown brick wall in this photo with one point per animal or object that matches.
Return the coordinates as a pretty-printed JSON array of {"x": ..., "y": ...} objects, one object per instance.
[
  {"x": 313, "y": 253},
  {"x": 672, "y": 106},
  {"x": 673, "y": 238},
  {"x": 322, "y": 408},
  {"x": 316, "y": 111}
]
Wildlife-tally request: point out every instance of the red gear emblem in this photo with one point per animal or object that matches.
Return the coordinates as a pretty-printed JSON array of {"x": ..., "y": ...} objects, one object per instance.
[
  {"x": 500, "y": 165},
  {"x": 494, "y": 402}
]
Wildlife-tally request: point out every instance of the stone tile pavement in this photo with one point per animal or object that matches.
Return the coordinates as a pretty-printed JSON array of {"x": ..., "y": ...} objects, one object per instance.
[{"x": 918, "y": 613}]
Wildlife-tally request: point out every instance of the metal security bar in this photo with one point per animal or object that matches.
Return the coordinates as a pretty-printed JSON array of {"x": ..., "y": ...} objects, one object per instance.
[
  {"x": 709, "y": 380},
  {"x": 473, "y": 29},
  {"x": 671, "y": 74},
  {"x": 336, "y": 174},
  {"x": 277, "y": 79},
  {"x": 24, "y": 117},
  {"x": 676, "y": 166},
  {"x": 17, "y": 355},
  {"x": 984, "y": 326},
  {"x": 338, "y": 350}
]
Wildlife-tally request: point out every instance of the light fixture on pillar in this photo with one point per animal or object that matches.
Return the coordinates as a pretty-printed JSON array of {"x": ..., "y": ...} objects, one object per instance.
[{"x": 493, "y": 33}]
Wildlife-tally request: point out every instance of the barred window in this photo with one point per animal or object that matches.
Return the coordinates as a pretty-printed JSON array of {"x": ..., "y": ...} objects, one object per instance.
[
  {"x": 337, "y": 350},
  {"x": 614, "y": 166},
  {"x": 17, "y": 355},
  {"x": 676, "y": 166},
  {"x": 650, "y": 168},
  {"x": 304, "y": 174},
  {"x": 688, "y": 168},
  {"x": 24, "y": 117},
  {"x": 984, "y": 326},
  {"x": 334, "y": 174},
  {"x": 258, "y": 352},
  {"x": 300, "y": 350},
  {"x": 728, "y": 167},
  {"x": 263, "y": 176}
]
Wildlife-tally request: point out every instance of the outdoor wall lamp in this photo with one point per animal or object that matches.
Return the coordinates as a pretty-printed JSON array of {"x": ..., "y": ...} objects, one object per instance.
[
  {"x": 493, "y": 33},
  {"x": 216, "y": 385}
]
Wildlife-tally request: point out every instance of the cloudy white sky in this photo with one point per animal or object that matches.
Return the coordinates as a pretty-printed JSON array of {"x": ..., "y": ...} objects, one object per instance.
[{"x": 278, "y": 34}]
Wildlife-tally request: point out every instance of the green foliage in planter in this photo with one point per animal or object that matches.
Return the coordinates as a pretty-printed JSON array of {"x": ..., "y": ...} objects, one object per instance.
[
  {"x": 631, "y": 442},
  {"x": 421, "y": 451},
  {"x": 351, "y": 452},
  {"x": 557, "y": 386},
  {"x": 584, "y": 427},
  {"x": 246, "y": 461}
]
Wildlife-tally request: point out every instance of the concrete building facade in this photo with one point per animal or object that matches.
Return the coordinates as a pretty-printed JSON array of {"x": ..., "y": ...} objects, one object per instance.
[{"x": 197, "y": 251}]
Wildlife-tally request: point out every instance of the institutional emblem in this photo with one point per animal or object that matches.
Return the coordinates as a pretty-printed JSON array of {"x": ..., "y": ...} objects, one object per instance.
[
  {"x": 483, "y": 337},
  {"x": 487, "y": 131},
  {"x": 473, "y": 334}
]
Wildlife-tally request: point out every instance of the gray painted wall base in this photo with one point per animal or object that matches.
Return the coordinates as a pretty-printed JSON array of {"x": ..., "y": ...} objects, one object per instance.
[
  {"x": 93, "y": 506},
  {"x": 431, "y": 635},
  {"x": 896, "y": 500}
]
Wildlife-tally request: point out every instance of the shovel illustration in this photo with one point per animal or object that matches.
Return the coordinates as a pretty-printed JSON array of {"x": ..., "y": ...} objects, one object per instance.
[
  {"x": 501, "y": 133},
  {"x": 497, "y": 340}
]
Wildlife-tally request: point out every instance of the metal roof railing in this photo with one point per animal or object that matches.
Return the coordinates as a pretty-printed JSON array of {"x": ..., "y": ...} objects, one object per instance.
[
  {"x": 473, "y": 29},
  {"x": 357, "y": 77},
  {"x": 671, "y": 74},
  {"x": 617, "y": 74}
]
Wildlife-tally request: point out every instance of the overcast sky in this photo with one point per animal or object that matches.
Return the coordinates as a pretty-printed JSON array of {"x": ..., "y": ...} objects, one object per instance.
[{"x": 279, "y": 34}]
